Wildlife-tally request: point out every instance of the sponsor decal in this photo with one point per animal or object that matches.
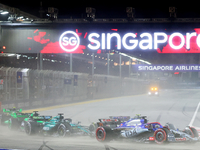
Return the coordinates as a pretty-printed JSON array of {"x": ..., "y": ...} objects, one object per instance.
[
  {"x": 19, "y": 77},
  {"x": 131, "y": 133},
  {"x": 69, "y": 41},
  {"x": 45, "y": 128},
  {"x": 180, "y": 139},
  {"x": 151, "y": 139},
  {"x": 73, "y": 41},
  {"x": 173, "y": 68}
]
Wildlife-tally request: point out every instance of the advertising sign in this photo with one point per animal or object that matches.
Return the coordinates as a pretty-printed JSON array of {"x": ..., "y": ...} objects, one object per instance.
[
  {"x": 173, "y": 68},
  {"x": 68, "y": 81},
  {"x": 1, "y": 84},
  {"x": 19, "y": 77},
  {"x": 75, "y": 80},
  {"x": 1, "y": 81},
  {"x": 78, "y": 38}
]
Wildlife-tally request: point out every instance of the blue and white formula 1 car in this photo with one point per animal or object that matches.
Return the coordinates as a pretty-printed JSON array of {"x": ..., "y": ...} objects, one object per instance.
[{"x": 138, "y": 130}]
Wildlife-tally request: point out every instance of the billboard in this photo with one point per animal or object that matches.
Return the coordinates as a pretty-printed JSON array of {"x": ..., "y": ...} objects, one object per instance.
[
  {"x": 173, "y": 68},
  {"x": 19, "y": 77},
  {"x": 160, "y": 38}
]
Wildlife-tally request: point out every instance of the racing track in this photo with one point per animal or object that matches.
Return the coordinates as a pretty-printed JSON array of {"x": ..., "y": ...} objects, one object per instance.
[{"x": 175, "y": 106}]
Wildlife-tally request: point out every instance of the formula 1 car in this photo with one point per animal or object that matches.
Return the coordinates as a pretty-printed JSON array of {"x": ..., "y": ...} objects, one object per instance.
[
  {"x": 138, "y": 130},
  {"x": 28, "y": 125},
  {"x": 153, "y": 91},
  {"x": 112, "y": 121},
  {"x": 16, "y": 119},
  {"x": 5, "y": 115},
  {"x": 58, "y": 126}
]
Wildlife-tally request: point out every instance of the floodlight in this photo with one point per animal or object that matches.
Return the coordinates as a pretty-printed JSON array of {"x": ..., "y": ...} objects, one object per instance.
[{"x": 4, "y": 12}]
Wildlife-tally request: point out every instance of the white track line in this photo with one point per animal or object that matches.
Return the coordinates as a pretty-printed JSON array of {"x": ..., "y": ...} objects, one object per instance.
[{"x": 194, "y": 116}]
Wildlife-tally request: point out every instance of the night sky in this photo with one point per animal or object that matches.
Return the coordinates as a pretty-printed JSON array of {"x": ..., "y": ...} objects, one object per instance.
[{"x": 109, "y": 9}]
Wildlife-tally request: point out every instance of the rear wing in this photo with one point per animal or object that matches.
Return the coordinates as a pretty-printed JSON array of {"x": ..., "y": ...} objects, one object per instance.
[
  {"x": 18, "y": 114},
  {"x": 113, "y": 120},
  {"x": 121, "y": 118},
  {"x": 11, "y": 109},
  {"x": 109, "y": 120}
]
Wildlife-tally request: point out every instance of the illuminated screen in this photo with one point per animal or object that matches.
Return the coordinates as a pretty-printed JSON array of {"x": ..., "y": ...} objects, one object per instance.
[{"x": 160, "y": 38}]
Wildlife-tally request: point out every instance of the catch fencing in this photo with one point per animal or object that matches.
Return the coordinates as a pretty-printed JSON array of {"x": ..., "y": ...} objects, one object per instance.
[{"x": 26, "y": 88}]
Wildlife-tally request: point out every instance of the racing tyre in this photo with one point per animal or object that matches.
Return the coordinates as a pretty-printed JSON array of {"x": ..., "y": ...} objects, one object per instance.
[
  {"x": 14, "y": 124},
  {"x": 92, "y": 127},
  {"x": 30, "y": 128},
  {"x": 104, "y": 134},
  {"x": 64, "y": 130},
  {"x": 167, "y": 132},
  {"x": 2, "y": 120},
  {"x": 194, "y": 131},
  {"x": 160, "y": 135}
]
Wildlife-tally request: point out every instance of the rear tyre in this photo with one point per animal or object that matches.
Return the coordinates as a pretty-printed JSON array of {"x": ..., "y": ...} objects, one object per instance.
[
  {"x": 104, "y": 134},
  {"x": 160, "y": 135},
  {"x": 4, "y": 118},
  {"x": 14, "y": 124}
]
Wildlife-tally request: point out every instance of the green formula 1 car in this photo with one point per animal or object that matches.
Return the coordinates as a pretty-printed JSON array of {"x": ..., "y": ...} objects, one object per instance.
[
  {"x": 57, "y": 126},
  {"x": 64, "y": 127},
  {"x": 34, "y": 123},
  {"x": 16, "y": 119},
  {"x": 6, "y": 114}
]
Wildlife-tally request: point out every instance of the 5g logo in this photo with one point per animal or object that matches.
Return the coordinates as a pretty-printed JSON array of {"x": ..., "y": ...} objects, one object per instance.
[{"x": 69, "y": 41}]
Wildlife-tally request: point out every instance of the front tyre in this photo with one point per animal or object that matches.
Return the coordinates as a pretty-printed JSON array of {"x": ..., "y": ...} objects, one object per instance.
[
  {"x": 195, "y": 133},
  {"x": 64, "y": 130},
  {"x": 92, "y": 127},
  {"x": 29, "y": 128}
]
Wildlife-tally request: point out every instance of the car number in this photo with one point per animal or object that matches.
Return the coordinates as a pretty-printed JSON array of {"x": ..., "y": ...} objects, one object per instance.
[
  {"x": 45, "y": 128},
  {"x": 131, "y": 133}
]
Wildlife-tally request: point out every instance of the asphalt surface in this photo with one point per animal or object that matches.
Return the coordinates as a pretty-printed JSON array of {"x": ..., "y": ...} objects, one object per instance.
[{"x": 174, "y": 106}]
